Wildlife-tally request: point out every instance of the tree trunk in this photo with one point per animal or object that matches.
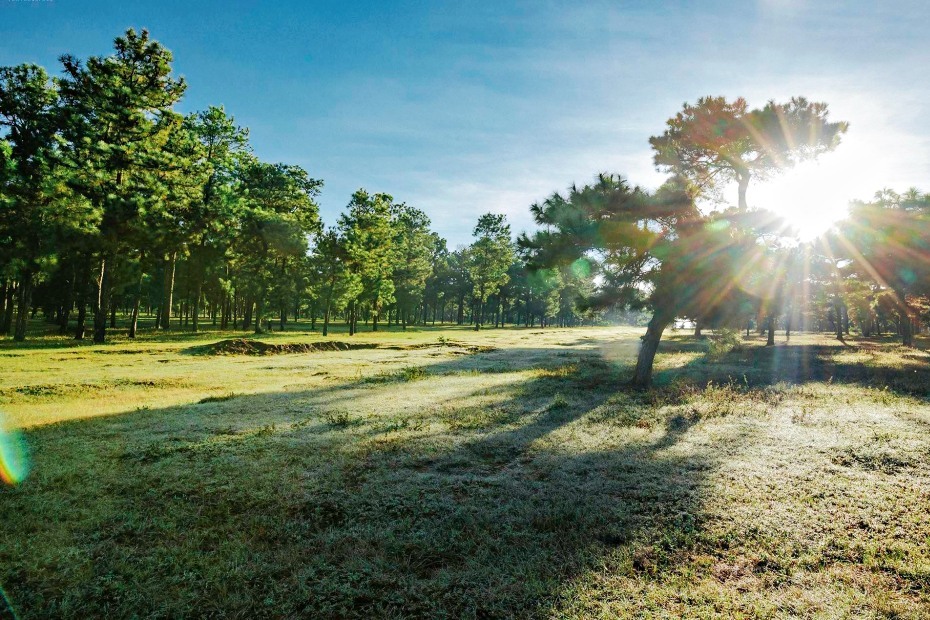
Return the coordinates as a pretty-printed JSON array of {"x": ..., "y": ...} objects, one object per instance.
[
  {"x": 258, "y": 313},
  {"x": 326, "y": 319},
  {"x": 770, "y": 342},
  {"x": 3, "y": 303},
  {"x": 7, "y": 323},
  {"x": 247, "y": 313},
  {"x": 134, "y": 321},
  {"x": 642, "y": 376},
  {"x": 195, "y": 310},
  {"x": 25, "y": 303},
  {"x": 169, "y": 291},
  {"x": 838, "y": 322},
  {"x": 224, "y": 311},
  {"x": 102, "y": 300},
  {"x": 68, "y": 303},
  {"x": 81, "y": 300},
  {"x": 743, "y": 184},
  {"x": 907, "y": 331}
]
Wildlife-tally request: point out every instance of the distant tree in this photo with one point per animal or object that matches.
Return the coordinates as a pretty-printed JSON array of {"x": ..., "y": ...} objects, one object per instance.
[
  {"x": 888, "y": 242},
  {"x": 413, "y": 254},
  {"x": 165, "y": 228},
  {"x": 280, "y": 215},
  {"x": 32, "y": 207},
  {"x": 337, "y": 282},
  {"x": 117, "y": 118},
  {"x": 488, "y": 259},
  {"x": 543, "y": 288},
  {"x": 369, "y": 237},
  {"x": 438, "y": 284},
  {"x": 458, "y": 283},
  {"x": 222, "y": 145},
  {"x": 716, "y": 141}
]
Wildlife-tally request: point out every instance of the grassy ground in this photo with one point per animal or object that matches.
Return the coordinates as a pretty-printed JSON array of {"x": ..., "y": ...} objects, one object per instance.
[{"x": 445, "y": 473}]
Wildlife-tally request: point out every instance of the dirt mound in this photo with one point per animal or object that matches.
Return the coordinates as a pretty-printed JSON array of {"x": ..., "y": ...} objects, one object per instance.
[
  {"x": 444, "y": 343},
  {"x": 244, "y": 346}
]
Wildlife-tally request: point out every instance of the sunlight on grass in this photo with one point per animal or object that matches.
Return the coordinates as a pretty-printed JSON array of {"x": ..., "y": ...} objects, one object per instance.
[{"x": 525, "y": 480}]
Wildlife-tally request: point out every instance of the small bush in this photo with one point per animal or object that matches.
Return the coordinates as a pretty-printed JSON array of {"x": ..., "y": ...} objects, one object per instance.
[
  {"x": 217, "y": 399},
  {"x": 337, "y": 417},
  {"x": 722, "y": 342},
  {"x": 412, "y": 373}
]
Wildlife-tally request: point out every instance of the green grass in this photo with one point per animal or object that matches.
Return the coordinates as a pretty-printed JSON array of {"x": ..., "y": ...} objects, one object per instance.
[{"x": 447, "y": 473}]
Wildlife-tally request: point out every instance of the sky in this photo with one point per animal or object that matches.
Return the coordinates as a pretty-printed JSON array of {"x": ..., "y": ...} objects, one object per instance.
[{"x": 461, "y": 108}]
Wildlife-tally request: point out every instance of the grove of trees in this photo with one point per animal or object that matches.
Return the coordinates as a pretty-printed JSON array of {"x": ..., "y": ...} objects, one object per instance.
[{"x": 114, "y": 204}]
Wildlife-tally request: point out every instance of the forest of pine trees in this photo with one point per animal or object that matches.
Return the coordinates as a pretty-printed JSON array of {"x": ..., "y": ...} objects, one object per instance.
[{"x": 115, "y": 204}]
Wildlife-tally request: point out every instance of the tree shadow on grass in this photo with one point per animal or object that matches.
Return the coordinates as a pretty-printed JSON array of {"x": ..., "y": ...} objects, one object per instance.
[
  {"x": 861, "y": 363},
  {"x": 271, "y": 505},
  {"x": 482, "y": 486}
]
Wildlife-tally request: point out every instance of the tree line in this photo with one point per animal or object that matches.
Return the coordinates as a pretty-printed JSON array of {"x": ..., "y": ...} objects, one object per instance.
[{"x": 113, "y": 201}]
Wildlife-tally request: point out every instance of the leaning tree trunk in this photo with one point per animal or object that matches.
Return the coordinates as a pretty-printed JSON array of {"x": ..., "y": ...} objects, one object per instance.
[{"x": 642, "y": 376}]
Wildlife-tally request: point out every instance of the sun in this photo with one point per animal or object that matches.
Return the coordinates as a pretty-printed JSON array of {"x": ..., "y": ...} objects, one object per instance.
[{"x": 811, "y": 197}]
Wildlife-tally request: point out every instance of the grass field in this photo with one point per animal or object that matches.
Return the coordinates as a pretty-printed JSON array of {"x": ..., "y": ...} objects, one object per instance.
[{"x": 447, "y": 473}]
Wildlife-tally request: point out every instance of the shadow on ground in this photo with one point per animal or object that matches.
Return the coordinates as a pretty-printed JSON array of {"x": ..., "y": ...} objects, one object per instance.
[
  {"x": 863, "y": 363},
  {"x": 479, "y": 486},
  {"x": 299, "y": 503}
]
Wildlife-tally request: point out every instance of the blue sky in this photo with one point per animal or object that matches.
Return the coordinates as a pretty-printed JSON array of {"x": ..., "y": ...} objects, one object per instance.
[{"x": 460, "y": 108}]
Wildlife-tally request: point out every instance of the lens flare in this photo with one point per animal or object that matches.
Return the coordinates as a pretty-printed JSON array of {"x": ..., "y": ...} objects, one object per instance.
[
  {"x": 581, "y": 268},
  {"x": 14, "y": 457}
]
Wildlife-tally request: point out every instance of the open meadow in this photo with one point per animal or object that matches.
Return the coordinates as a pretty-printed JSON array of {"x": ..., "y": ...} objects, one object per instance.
[
  {"x": 452, "y": 473},
  {"x": 377, "y": 310}
]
